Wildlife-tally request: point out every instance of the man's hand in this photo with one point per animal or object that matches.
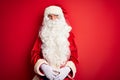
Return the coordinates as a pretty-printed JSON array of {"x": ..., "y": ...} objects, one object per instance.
[
  {"x": 48, "y": 71},
  {"x": 63, "y": 73}
]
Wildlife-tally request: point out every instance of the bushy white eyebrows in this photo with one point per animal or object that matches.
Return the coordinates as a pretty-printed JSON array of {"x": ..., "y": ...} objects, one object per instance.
[{"x": 53, "y": 14}]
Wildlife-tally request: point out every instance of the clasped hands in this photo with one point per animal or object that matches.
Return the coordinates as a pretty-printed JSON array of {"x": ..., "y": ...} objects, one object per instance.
[{"x": 53, "y": 74}]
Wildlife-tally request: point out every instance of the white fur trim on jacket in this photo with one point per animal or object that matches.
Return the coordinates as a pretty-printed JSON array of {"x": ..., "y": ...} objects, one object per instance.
[
  {"x": 37, "y": 66},
  {"x": 72, "y": 66}
]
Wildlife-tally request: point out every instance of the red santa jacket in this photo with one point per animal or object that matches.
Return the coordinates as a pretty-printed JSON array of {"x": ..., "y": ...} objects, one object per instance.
[{"x": 37, "y": 58}]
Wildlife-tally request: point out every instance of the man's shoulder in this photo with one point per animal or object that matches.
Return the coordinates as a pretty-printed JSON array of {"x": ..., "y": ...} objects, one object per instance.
[{"x": 72, "y": 34}]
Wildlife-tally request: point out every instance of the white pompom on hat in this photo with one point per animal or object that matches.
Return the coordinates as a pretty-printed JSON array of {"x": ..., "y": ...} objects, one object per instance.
[{"x": 53, "y": 10}]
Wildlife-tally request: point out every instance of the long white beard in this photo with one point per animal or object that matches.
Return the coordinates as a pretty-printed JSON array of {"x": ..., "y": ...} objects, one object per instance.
[{"x": 55, "y": 47}]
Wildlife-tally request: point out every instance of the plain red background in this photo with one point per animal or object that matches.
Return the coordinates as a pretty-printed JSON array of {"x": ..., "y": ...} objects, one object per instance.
[{"x": 96, "y": 25}]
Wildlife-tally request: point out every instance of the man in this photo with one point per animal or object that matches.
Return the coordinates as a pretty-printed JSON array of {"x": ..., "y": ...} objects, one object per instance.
[{"x": 54, "y": 54}]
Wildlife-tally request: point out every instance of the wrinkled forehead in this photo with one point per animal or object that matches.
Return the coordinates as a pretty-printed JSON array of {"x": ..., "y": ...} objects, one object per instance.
[{"x": 53, "y": 10}]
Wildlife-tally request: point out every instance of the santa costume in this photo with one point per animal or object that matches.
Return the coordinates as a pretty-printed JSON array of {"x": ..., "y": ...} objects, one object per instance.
[{"x": 54, "y": 47}]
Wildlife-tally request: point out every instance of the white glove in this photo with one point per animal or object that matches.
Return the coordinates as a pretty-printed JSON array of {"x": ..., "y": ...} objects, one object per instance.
[
  {"x": 63, "y": 73},
  {"x": 48, "y": 71}
]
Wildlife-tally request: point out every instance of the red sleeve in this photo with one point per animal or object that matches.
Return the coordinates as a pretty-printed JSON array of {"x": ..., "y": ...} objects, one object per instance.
[
  {"x": 73, "y": 49},
  {"x": 36, "y": 51}
]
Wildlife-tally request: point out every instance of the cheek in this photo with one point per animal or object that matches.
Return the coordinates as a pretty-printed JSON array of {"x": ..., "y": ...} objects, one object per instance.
[
  {"x": 47, "y": 18},
  {"x": 56, "y": 17}
]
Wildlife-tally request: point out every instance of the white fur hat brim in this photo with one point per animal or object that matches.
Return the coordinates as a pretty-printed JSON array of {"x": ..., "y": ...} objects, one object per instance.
[{"x": 53, "y": 10}]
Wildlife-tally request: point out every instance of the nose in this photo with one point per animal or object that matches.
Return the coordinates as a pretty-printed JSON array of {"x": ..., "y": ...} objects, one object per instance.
[{"x": 52, "y": 16}]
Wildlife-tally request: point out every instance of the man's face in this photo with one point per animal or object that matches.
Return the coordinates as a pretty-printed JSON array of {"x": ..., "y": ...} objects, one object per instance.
[
  {"x": 52, "y": 16},
  {"x": 53, "y": 21}
]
